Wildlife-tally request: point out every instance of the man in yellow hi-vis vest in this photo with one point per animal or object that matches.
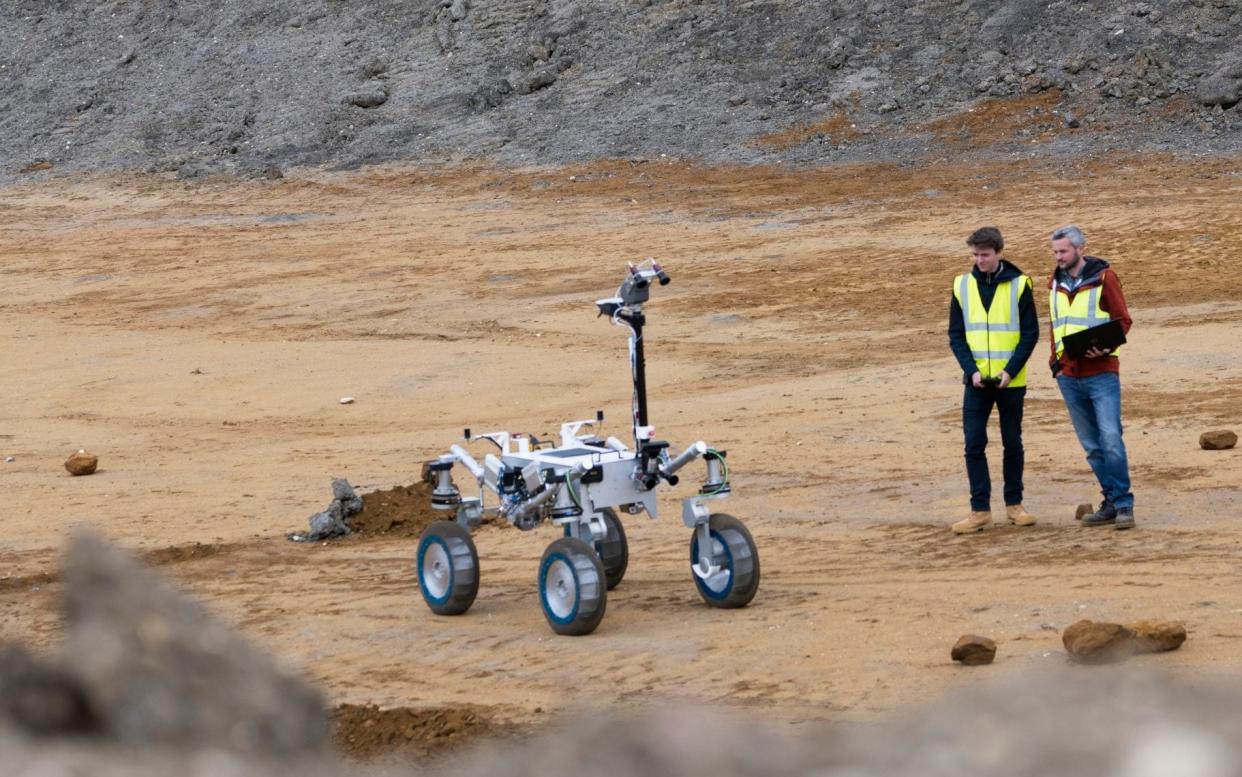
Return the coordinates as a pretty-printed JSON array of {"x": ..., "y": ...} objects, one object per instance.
[
  {"x": 993, "y": 329},
  {"x": 1084, "y": 292}
]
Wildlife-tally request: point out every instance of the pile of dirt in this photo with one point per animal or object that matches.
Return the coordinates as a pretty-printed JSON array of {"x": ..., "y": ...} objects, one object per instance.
[
  {"x": 173, "y": 554},
  {"x": 193, "y": 551},
  {"x": 365, "y": 731},
  {"x": 401, "y": 511},
  {"x": 23, "y": 582},
  {"x": 228, "y": 86}
]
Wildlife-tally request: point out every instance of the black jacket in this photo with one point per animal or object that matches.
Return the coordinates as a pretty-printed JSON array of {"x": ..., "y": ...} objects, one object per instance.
[{"x": 1027, "y": 319}]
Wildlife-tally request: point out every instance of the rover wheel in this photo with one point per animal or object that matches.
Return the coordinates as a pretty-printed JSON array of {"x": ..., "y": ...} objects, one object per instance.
[
  {"x": 572, "y": 587},
  {"x": 734, "y": 551},
  {"x": 614, "y": 549},
  {"x": 448, "y": 568}
]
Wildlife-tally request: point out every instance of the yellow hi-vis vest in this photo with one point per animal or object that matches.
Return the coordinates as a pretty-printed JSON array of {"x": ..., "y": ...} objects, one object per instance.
[
  {"x": 1083, "y": 313},
  {"x": 992, "y": 334}
]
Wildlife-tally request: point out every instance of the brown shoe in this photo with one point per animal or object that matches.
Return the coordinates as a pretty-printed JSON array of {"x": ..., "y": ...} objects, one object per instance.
[
  {"x": 1018, "y": 515},
  {"x": 973, "y": 522}
]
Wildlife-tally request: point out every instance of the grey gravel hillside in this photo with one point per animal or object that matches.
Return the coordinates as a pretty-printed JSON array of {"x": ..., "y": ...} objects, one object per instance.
[{"x": 239, "y": 86}]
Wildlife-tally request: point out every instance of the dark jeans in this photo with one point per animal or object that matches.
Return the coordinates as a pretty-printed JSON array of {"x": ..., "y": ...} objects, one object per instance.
[{"x": 976, "y": 409}]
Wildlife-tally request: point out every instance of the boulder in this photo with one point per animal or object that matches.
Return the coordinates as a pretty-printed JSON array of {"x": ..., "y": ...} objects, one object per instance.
[
  {"x": 159, "y": 669},
  {"x": 82, "y": 463},
  {"x": 1157, "y": 636},
  {"x": 1222, "y": 87},
  {"x": 973, "y": 650},
  {"x": 1097, "y": 643},
  {"x": 1218, "y": 440}
]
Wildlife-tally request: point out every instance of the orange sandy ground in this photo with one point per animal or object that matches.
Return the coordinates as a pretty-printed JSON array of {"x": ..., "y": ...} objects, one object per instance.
[{"x": 198, "y": 337}]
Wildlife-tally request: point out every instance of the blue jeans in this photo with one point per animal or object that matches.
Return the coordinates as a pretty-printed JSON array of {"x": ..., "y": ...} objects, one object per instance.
[
  {"x": 976, "y": 408},
  {"x": 1095, "y": 408}
]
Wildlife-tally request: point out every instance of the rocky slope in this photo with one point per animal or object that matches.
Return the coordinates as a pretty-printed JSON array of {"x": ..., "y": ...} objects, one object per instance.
[{"x": 234, "y": 86}]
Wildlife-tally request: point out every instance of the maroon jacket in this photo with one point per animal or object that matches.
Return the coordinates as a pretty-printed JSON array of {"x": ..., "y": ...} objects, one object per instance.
[{"x": 1095, "y": 272}]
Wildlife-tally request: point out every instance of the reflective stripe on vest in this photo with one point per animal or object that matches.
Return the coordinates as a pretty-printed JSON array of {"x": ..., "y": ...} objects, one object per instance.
[
  {"x": 1083, "y": 313},
  {"x": 992, "y": 334}
]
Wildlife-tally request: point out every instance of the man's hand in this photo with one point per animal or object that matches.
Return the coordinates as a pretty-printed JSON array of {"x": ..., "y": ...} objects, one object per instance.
[
  {"x": 1004, "y": 379},
  {"x": 1095, "y": 353},
  {"x": 976, "y": 380}
]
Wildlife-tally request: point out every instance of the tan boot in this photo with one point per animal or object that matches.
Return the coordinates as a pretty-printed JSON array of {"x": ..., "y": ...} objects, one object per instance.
[
  {"x": 974, "y": 522},
  {"x": 1018, "y": 515}
]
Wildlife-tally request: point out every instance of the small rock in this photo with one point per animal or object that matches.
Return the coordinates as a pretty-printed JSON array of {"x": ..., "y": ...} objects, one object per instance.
[
  {"x": 1083, "y": 511},
  {"x": 973, "y": 650},
  {"x": 273, "y": 173},
  {"x": 10, "y": 459},
  {"x": 325, "y": 525},
  {"x": 347, "y": 400},
  {"x": 458, "y": 10},
  {"x": 368, "y": 98},
  {"x": 1218, "y": 440},
  {"x": 82, "y": 463},
  {"x": 1072, "y": 121},
  {"x": 445, "y": 38},
  {"x": 1158, "y": 636},
  {"x": 374, "y": 68},
  {"x": 343, "y": 492},
  {"x": 535, "y": 81},
  {"x": 191, "y": 170},
  {"x": 1098, "y": 643}
]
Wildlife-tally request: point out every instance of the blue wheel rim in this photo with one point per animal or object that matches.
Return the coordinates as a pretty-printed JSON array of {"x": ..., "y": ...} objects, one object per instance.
[
  {"x": 422, "y": 552},
  {"x": 728, "y": 558},
  {"x": 543, "y": 589}
]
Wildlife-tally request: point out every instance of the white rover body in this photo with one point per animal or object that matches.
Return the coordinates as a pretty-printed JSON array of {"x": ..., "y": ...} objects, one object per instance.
[{"x": 583, "y": 484}]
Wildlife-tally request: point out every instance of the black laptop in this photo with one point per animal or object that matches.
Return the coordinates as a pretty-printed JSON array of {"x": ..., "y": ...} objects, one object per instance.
[{"x": 1107, "y": 336}]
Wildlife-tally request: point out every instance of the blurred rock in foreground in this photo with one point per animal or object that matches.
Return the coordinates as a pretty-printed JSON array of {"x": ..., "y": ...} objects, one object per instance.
[{"x": 150, "y": 684}]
